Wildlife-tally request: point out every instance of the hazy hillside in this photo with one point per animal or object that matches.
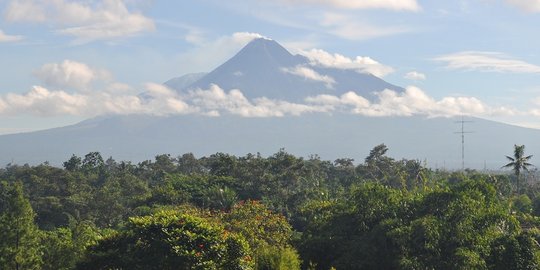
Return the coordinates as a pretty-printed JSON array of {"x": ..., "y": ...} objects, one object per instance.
[{"x": 331, "y": 136}]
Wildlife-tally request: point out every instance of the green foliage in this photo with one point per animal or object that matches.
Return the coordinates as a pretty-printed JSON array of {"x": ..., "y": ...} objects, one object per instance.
[
  {"x": 258, "y": 225},
  {"x": 170, "y": 240},
  {"x": 268, "y": 234},
  {"x": 275, "y": 258},
  {"x": 19, "y": 244},
  {"x": 73, "y": 164},
  {"x": 229, "y": 212},
  {"x": 512, "y": 252},
  {"x": 62, "y": 248},
  {"x": 200, "y": 190},
  {"x": 523, "y": 204},
  {"x": 378, "y": 227}
]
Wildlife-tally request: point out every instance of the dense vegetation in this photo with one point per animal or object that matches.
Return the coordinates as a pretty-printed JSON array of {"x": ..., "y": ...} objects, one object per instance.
[{"x": 253, "y": 212}]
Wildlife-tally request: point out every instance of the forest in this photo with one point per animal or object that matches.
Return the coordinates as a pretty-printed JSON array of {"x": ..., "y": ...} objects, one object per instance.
[{"x": 278, "y": 212}]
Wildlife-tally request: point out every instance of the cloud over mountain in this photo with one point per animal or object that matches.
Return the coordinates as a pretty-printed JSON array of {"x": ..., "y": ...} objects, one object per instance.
[
  {"x": 310, "y": 74},
  {"x": 362, "y": 64}
]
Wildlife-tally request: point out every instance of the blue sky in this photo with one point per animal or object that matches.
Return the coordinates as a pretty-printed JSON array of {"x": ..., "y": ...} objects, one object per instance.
[{"x": 64, "y": 61}]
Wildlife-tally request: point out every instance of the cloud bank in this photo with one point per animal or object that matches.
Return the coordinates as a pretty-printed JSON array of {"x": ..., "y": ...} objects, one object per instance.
[{"x": 215, "y": 101}]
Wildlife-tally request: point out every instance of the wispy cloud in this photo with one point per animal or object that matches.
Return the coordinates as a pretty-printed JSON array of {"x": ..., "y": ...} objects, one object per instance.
[
  {"x": 362, "y": 64},
  {"x": 532, "y": 6},
  {"x": 398, "y": 5},
  {"x": 86, "y": 22},
  {"x": 487, "y": 62},
  {"x": 9, "y": 38},
  {"x": 310, "y": 74},
  {"x": 193, "y": 34},
  {"x": 352, "y": 28},
  {"x": 415, "y": 76}
]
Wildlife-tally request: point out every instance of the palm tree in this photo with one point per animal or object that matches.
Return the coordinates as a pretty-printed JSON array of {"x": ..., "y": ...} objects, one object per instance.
[{"x": 518, "y": 162}]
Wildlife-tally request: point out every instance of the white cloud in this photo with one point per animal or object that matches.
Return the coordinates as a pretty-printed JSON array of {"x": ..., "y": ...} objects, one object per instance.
[
  {"x": 43, "y": 102},
  {"x": 70, "y": 74},
  {"x": 413, "y": 101},
  {"x": 310, "y": 74},
  {"x": 352, "y": 28},
  {"x": 332, "y": 103},
  {"x": 361, "y": 64},
  {"x": 487, "y": 62},
  {"x": 160, "y": 100},
  {"x": 215, "y": 99},
  {"x": 400, "y": 5},
  {"x": 40, "y": 101},
  {"x": 106, "y": 19},
  {"x": 526, "y": 5},
  {"x": 156, "y": 100},
  {"x": 415, "y": 76},
  {"x": 9, "y": 38}
]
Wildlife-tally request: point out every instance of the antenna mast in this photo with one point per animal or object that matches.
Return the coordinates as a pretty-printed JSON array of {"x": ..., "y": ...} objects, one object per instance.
[{"x": 463, "y": 132}]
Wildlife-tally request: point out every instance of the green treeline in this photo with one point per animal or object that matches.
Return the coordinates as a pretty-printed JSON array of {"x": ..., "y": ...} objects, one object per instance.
[{"x": 254, "y": 212}]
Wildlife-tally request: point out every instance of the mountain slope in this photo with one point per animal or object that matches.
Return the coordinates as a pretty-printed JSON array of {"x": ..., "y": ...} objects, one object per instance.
[
  {"x": 184, "y": 81},
  {"x": 265, "y": 68}
]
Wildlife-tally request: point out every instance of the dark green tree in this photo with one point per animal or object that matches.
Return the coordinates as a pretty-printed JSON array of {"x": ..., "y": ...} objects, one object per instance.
[
  {"x": 19, "y": 244},
  {"x": 73, "y": 164},
  {"x": 92, "y": 160}
]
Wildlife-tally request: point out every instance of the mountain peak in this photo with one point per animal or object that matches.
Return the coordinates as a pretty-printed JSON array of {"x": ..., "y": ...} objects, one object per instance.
[
  {"x": 264, "y": 68},
  {"x": 266, "y": 48}
]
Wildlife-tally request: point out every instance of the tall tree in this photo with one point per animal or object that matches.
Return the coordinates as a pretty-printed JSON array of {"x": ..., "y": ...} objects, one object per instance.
[
  {"x": 19, "y": 244},
  {"x": 519, "y": 162}
]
